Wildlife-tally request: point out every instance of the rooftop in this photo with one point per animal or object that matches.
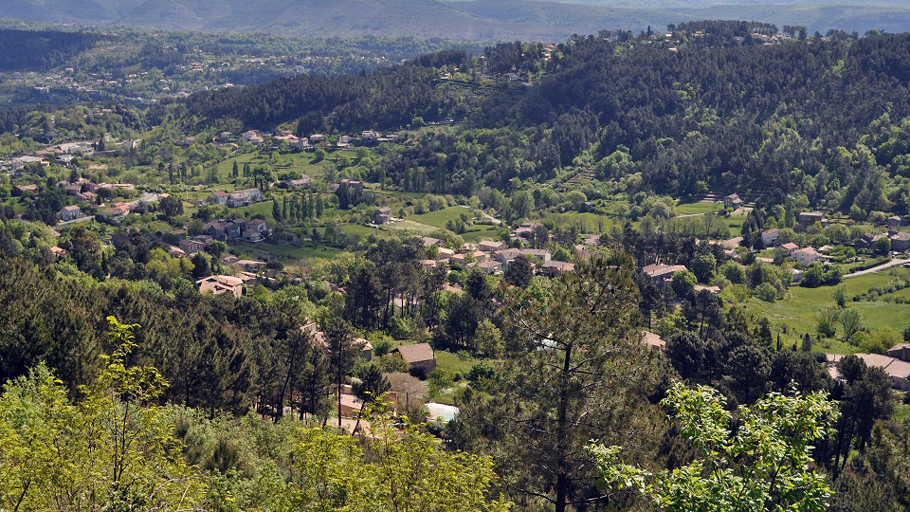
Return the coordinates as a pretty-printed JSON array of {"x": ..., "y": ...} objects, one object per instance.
[{"x": 416, "y": 353}]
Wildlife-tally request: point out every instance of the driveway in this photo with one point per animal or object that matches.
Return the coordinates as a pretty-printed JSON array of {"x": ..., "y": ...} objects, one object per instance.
[{"x": 883, "y": 266}]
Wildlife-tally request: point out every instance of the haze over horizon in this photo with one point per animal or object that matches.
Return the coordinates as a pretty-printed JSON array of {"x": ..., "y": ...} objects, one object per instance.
[{"x": 467, "y": 20}]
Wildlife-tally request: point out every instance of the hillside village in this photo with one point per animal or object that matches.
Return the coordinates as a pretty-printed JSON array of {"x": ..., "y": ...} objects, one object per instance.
[
  {"x": 503, "y": 270},
  {"x": 114, "y": 203}
]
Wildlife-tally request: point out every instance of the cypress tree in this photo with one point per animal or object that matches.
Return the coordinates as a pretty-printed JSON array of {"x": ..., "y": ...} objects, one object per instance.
[{"x": 276, "y": 211}]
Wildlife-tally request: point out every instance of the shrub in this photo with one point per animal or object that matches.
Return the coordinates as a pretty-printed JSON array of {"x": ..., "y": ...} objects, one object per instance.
[
  {"x": 391, "y": 363},
  {"x": 766, "y": 292},
  {"x": 382, "y": 347}
]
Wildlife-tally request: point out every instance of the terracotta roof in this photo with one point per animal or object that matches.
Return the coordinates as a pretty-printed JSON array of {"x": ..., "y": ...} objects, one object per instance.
[
  {"x": 417, "y": 353},
  {"x": 653, "y": 340},
  {"x": 219, "y": 284},
  {"x": 809, "y": 250}
]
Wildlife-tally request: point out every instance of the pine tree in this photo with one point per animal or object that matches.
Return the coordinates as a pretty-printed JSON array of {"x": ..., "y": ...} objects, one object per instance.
[
  {"x": 235, "y": 171},
  {"x": 342, "y": 353},
  {"x": 577, "y": 371},
  {"x": 318, "y": 206}
]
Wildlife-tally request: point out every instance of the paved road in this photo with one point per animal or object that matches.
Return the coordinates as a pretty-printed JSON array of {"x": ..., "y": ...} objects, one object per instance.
[
  {"x": 489, "y": 217},
  {"x": 74, "y": 221},
  {"x": 893, "y": 263}
]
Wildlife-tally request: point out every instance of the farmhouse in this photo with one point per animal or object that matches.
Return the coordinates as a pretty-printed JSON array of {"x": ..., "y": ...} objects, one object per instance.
[
  {"x": 806, "y": 219},
  {"x": 661, "y": 273},
  {"x": 383, "y": 216},
  {"x": 244, "y": 197},
  {"x": 807, "y": 256},
  {"x": 420, "y": 356},
  {"x": 769, "y": 237},
  {"x": 220, "y": 285},
  {"x": 69, "y": 213},
  {"x": 900, "y": 241},
  {"x": 733, "y": 201}
]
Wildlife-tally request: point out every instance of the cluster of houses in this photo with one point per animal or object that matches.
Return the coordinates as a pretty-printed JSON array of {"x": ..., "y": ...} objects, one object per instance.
[
  {"x": 112, "y": 212},
  {"x": 248, "y": 272},
  {"x": 255, "y": 230},
  {"x": 805, "y": 256},
  {"x": 494, "y": 257},
  {"x": 896, "y": 364},
  {"x": 900, "y": 242},
  {"x": 64, "y": 153},
  {"x": 306, "y": 143},
  {"x": 85, "y": 192}
]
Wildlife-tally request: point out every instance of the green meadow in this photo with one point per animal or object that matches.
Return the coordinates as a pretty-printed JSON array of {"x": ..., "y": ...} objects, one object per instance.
[{"x": 798, "y": 312}]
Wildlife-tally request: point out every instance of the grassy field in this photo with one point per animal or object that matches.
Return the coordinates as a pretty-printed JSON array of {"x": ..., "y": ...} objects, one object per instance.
[
  {"x": 287, "y": 253},
  {"x": 900, "y": 294},
  {"x": 358, "y": 229},
  {"x": 439, "y": 218},
  {"x": 735, "y": 223},
  {"x": 587, "y": 222},
  {"x": 410, "y": 225},
  {"x": 480, "y": 232},
  {"x": 799, "y": 310},
  {"x": 263, "y": 208},
  {"x": 302, "y": 163},
  {"x": 224, "y": 168},
  {"x": 697, "y": 208},
  {"x": 451, "y": 362}
]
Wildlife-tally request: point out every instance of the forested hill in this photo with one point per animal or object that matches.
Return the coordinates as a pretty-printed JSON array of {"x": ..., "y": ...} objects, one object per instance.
[
  {"x": 822, "y": 117},
  {"x": 41, "y": 50},
  {"x": 387, "y": 98}
]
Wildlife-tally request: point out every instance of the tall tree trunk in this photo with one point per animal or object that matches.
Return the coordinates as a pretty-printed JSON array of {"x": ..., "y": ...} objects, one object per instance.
[
  {"x": 562, "y": 465},
  {"x": 284, "y": 387},
  {"x": 385, "y": 315},
  {"x": 338, "y": 390}
]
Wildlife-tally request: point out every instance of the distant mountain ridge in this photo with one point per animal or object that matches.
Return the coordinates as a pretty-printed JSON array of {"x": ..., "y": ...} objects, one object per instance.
[{"x": 469, "y": 19}]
